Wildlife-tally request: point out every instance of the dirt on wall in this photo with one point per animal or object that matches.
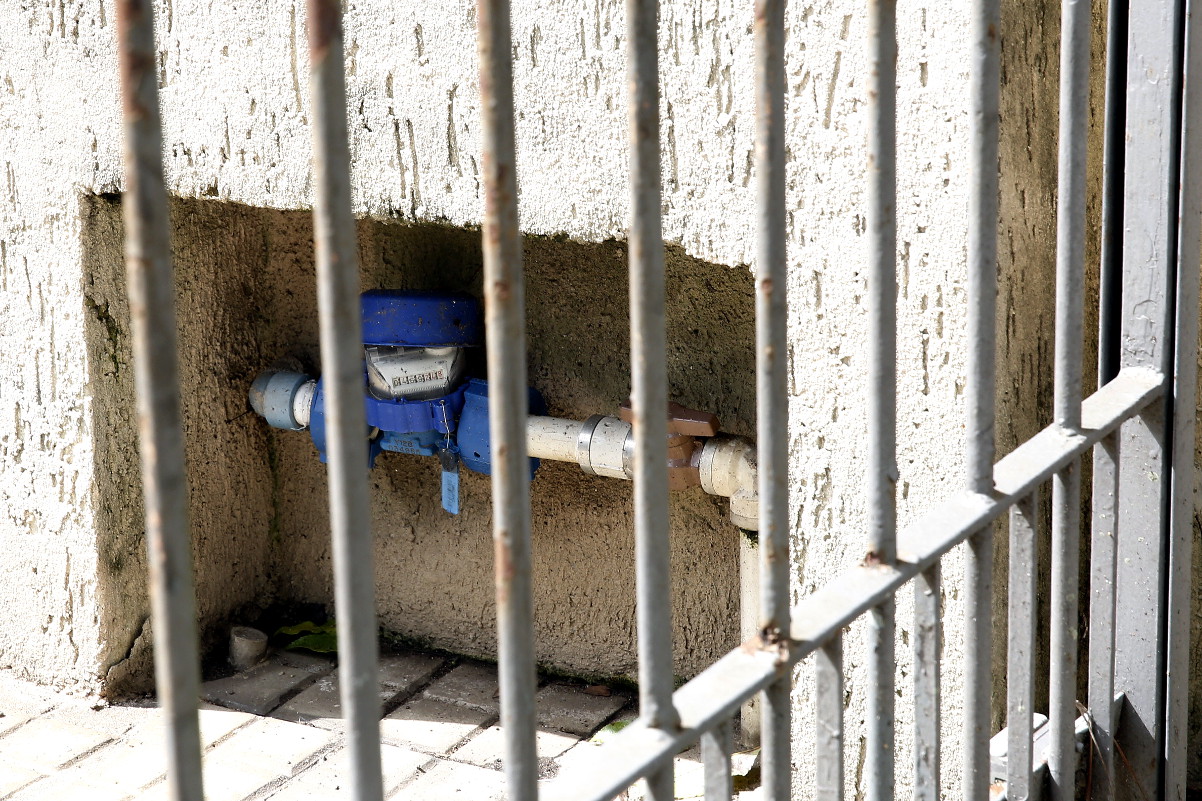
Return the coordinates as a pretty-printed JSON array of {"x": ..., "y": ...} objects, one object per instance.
[
  {"x": 246, "y": 299},
  {"x": 217, "y": 250}
]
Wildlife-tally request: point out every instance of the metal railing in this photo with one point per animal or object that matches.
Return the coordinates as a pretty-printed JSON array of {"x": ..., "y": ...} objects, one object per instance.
[{"x": 1138, "y": 425}]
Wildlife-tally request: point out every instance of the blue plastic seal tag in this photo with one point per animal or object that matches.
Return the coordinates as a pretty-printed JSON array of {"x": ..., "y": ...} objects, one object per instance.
[{"x": 450, "y": 480}]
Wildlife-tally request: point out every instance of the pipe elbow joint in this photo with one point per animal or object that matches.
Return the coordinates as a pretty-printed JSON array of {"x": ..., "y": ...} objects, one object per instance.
[{"x": 728, "y": 468}]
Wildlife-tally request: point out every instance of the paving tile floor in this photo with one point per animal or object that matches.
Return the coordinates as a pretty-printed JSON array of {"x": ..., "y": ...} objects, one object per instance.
[{"x": 276, "y": 733}]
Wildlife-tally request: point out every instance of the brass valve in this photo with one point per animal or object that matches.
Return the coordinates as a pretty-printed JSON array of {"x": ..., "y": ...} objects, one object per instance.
[{"x": 686, "y": 430}]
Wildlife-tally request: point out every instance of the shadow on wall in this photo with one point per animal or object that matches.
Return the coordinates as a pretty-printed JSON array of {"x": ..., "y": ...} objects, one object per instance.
[{"x": 246, "y": 298}]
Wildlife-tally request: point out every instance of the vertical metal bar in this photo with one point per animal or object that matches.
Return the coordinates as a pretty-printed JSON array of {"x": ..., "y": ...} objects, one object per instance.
[
  {"x": 649, "y": 383},
  {"x": 716, "y": 745},
  {"x": 772, "y": 404},
  {"x": 978, "y": 653},
  {"x": 927, "y": 636},
  {"x": 1101, "y": 616},
  {"x": 1020, "y": 671},
  {"x": 341, "y": 356},
  {"x": 882, "y": 385},
  {"x": 1070, "y": 222},
  {"x": 1062, "y": 696},
  {"x": 982, "y": 292},
  {"x": 882, "y": 282},
  {"x": 1189, "y": 260},
  {"x": 750, "y": 585},
  {"x": 1150, "y": 220},
  {"x": 828, "y": 682},
  {"x": 156, "y": 375},
  {"x": 1066, "y": 485},
  {"x": 982, "y": 245},
  {"x": 505, "y": 321}
]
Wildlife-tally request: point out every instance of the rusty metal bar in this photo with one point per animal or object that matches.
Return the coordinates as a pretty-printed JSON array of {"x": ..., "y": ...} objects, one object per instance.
[
  {"x": 649, "y": 383},
  {"x": 882, "y": 387},
  {"x": 505, "y": 323},
  {"x": 151, "y": 287},
  {"x": 772, "y": 397},
  {"x": 346, "y": 422}
]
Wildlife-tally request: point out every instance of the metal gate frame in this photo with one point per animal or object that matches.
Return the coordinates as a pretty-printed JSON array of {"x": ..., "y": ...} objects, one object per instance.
[{"x": 1138, "y": 425}]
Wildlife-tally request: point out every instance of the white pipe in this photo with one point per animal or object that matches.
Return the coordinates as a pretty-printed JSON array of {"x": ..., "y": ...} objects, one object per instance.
[
  {"x": 601, "y": 446},
  {"x": 728, "y": 468},
  {"x": 552, "y": 438}
]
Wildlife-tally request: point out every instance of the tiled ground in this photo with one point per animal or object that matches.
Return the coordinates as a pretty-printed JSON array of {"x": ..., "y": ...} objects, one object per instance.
[{"x": 275, "y": 732}]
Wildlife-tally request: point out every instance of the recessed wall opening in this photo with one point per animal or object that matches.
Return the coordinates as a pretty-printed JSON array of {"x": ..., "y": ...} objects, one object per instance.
[{"x": 246, "y": 299}]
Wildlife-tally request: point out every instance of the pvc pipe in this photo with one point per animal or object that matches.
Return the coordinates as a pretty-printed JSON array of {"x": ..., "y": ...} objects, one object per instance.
[
  {"x": 552, "y": 438},
  {"x": 602, "y": 446}
]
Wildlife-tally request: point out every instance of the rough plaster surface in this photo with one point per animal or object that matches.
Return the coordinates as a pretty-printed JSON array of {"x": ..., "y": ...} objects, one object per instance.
[
  {"x": 258, "y": 496},
  {"x": 235, "y": 110}
]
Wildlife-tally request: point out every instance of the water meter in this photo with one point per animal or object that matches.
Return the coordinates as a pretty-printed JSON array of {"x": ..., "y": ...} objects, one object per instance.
[{"x": 418, "y": 396}]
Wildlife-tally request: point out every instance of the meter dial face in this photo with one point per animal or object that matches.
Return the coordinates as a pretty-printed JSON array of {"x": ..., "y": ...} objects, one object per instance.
[{"x": 397, "y": 373}]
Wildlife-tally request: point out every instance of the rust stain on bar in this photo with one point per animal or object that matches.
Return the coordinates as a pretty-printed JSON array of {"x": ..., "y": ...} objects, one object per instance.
[
  {"x": 135, "y": 61},
  {"x": 325, "y": 27}
]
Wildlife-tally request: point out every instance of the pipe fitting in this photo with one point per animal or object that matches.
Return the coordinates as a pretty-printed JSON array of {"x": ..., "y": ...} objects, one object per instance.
[
  {"x": 728, "y": 468},
  {"x": 274, "y": 395},
  {"x": 601, "y": 446}
]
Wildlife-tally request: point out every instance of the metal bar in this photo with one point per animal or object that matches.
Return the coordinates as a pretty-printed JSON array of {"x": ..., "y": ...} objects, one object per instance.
[
  {"x": 341, "y": 356},
  {"x": 927, "y": 636},
  {"x": 1150, "y": 220},
  {"x": 1101, "y": 616},
  {"x": 1066, "y": 485},
  {"x": 978, "y": 656},
  {"x": 1070, "y": 221},
  {"x": 1189, "y": 259},
  {"x": 716, "y": 745},
  {"x": 772, "y": 397},
  {"x": 156, "y": 376},
  {"x": 718, "y": 691},
  {"x": 1110, "y": 280},
  {"x": 750, "y": 582},
  {"x": 505, "y": 323},
  {"x": 1020, "y": 672},
  {"x": 828, "y": 721},
  {"x": 982, "y": 243},
  {"x": 1062, "y": 694},
  {"x": 649, "y": 383},
  {"x": 882, "y": 386},
  {"x": 882, "y": 283},
  {"x": 982, "y": 314}
]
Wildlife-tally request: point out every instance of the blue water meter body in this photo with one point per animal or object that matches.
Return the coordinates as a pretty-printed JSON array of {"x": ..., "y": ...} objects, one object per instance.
[{"x": 417, "y": 397}]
